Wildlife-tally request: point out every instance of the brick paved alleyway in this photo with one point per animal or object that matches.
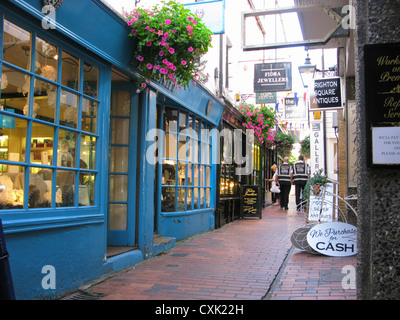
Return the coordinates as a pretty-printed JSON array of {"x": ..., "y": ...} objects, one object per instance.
[{"x": 240, "y": 261}]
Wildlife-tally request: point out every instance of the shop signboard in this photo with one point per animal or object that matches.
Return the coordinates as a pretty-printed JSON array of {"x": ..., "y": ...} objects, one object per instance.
[
  {"x": 265, "y": 97},
  {"x": 382, "y": 100},
  {"x": 320, "y": 208},
  {"x": 327, "y": 94},
  {"x": 250, "y": 203},
  {"x": 294, "y": 109},
  {"x": 335, "y": 239},
  {"x": 273, "y": 77}
]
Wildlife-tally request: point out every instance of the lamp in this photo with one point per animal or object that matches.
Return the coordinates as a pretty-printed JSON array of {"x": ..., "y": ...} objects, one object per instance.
[{"x": 307, "y": 71}]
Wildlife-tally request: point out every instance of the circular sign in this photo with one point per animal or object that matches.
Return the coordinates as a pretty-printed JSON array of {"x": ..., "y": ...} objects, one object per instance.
[{"x": 336, "y": 239}]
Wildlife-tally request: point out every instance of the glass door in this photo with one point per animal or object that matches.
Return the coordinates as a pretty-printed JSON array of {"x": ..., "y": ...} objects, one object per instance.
[{"x": 122, "y": 166}]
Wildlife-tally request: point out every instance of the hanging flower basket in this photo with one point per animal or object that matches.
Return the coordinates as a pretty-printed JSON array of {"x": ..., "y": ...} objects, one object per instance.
[
  {"x": 170, "y": 41},
  {"x": 261, "y": 121},
  {"x": 284, "y": 143}
]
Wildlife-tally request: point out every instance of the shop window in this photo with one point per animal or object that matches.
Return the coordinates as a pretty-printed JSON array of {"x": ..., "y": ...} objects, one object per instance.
[
  {"x": 48, "y": 124},
  {"x": 186, "y": 167}
]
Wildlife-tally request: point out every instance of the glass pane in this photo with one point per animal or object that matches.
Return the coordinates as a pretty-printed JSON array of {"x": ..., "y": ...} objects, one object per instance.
[
  {"x": 170, "y": 120},
  {"x": 90, "y": 80},
  {"x": 40, "y": 184},
  {"x": 12, "y": 141},
  {"x": 120, "y": 131},
  {"x": 119, "y": 159},
  {"x": 14, "y": 91},
  {"x": 189, "y": 199},
  {"x": 203, "y": 153},
  {"x": 12, "y": 188},
  {"x": 70, "y": 71},
  {"x": 118, "y": 216},
  {"x": 196, "y": 175},
  {"x": 46, "y": 57},
  {"x": 191, "y": 120},
  {"x": 182, "y": 155},
  {"x": 195, "y": 198},
  {"x": 118, "y": 188},
  {"x": 88, "y": 152},
  {"x": 202, "y": 176},
  {"x": 208, "y": 174},
  {"x": 66, "y": 148},
  {"x": 121, "y": 103},
  {"x": 169, "y": 173},
  {"x": 181, "y": 199},
  {"x": 182, "y": 173},
  {"x": 208, "y": 197},
  {"x": 69, "y": 104},
  {"x": 208, "y": 154},
  {"x": 44, "y": 105},
  {"x": 190, "y": 175},
  {"x": 16, "y": 45},
  {"x": 65, "y": 188},
  {"x": 170, "y": 147},
  {"x": 168, "y": 199},
  {"x": 89, "y": 115},
  {"x": 42, "y": 144},
  {"x": 182, "y": 121},
  {"x": 86, "y": 189},
  {"x": 196, "y": 151},
  {"x": 202, "y": 197}
]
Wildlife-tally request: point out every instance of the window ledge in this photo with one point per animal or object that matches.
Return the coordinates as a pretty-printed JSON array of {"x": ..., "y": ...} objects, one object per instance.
[{"x": 187, "y": 213}]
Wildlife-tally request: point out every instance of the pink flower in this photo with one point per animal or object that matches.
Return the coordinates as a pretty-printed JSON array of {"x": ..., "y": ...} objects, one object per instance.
[
  {"x": 133, "y": 31},
  {"x": 190, "y": 49},
  {"x": 168, "y": 22},
  {"x": 171, "y": 50},
  {"x": 194, "y": 83},
  {"x": 183, "y": 62},
  {"x": 144, "y": 85},
  {"x": 170, "y": 76},
  {"x": 140, "y": 58},
  {"x": 160, "y": 32},
  {"x": 148, "y": 44},
  {"x": 173, "y": 31},
  {"x": 165, "y": 61},
  {"x": 149, "y": 66},
  {"x": 161, "y": 53}
]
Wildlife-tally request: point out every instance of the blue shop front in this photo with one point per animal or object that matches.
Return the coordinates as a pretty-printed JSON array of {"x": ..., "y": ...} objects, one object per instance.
[{"x": 95, "y": 177}]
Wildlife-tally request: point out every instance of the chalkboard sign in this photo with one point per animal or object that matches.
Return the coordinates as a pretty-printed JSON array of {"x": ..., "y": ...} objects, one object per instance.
[
  {"x": 273, "y": 77},
  {"x": 250, "y": 203},
  {"x": 382, "y": 98}
]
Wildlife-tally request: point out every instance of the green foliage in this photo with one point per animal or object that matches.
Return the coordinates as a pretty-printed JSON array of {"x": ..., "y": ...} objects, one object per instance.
[
  {"x": 169, "y": 42},
  {"x": 305, "y": 147},
  {"x": 284, "y": 143},
  {"x": 317, "y": 178}
]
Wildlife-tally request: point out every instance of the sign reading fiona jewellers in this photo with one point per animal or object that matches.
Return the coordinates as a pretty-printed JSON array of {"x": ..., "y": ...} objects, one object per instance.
[
  {"x": 273, "y": 77},
  {"x": 336, "y": 239},
  {"x": 382, "y": 89}
]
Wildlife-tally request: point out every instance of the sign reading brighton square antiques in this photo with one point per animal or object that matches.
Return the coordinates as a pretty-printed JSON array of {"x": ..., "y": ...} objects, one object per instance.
[
  {"x": 335, "y": 239},
  {"x": 250, "y": 201},
  {"x": 327, "y": 94},
  {"x": 382, "y": 99},
  {"x": 273, "y": 77}
]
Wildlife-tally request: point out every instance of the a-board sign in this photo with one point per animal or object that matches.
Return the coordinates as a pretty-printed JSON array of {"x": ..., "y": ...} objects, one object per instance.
[
  {"x": 250, "y": 203},
  {"x": 382, "y": 100},
  {"x": 273, "y": 77},
  {"x": 327, "y": 94},
  {"x": 335, "y": 239},
  {"x": 321, "y": 208}
]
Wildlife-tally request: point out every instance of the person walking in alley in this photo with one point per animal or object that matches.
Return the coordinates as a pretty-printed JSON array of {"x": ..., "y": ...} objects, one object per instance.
[
  {"x": 275, "y": 185},
  {"x": 300, "y": 177},
  {"x": 285, "y": 182}
]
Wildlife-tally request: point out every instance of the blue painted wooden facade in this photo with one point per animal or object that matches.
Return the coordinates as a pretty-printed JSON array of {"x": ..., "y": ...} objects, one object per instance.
[{"x": 74, "y": 240}]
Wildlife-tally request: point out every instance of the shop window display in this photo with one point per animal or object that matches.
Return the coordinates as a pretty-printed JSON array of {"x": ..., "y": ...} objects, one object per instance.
[
  {"x": 56, "y": 113},
  {"x": 186, "y": 166}
]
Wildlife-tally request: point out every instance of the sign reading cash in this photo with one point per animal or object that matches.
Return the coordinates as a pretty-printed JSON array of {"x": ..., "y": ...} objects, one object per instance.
[
  {"x": 250, "y": 201},
  {"x": 326, "y": 94},
  {"x": 382, "y": 99},
  {"x": 273, "y": 77}
]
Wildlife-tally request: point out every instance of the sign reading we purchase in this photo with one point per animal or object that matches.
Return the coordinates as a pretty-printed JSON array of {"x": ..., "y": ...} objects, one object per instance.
[
  {"x": 273, "y": 77},
  {"x": 336, "y": 239},
  {"x": 382, "y": 90}
]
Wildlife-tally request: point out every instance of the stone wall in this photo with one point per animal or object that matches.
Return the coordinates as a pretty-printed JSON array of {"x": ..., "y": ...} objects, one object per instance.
[{"x": 378, "y": 272}]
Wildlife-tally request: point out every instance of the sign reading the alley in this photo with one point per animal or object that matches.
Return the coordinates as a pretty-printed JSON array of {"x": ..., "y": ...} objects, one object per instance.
[
  {"x": 273, "y": 77},
  {"x": 335, "y": 239},
  {"x": 327, "y": 94},
  {"x": 382, "y": 87},
  {"x": 250, "y": 201}
]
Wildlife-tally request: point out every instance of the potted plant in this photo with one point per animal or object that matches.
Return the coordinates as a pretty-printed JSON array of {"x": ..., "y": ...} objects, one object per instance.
[
  {"x": 284, "y": 143},
  {"x": 261, "y": 121},
  {"x": 169, "y": 43},
  {"x": 317, "y": 181}
]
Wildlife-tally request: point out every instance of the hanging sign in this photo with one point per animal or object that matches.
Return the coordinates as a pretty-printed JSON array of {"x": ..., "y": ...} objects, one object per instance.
[
  {"x": 335, "y": 239},
  {"x": 265, "y": 97},
  {"x": 317, "y": 153},
  {"x": 273, "y": 77},
  {"x": 250, "y": 201},
  {"x": 295, "y": 110},
  {"x": 382, "y": 99},
  {"x": 327, "y": 94}
]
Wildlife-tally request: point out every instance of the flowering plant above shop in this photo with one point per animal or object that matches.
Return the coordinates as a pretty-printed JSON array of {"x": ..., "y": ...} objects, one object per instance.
[
  {"x": 305, "y": 147},
  {"x": 284, "y": 143},
  {"x": 261, "y": 121},
  {"x": 169, "y": 43}
]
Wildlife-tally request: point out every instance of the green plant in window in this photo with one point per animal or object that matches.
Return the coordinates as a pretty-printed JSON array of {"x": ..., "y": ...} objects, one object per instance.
[
  {"x": 169, "y": 43},
  {"x": 261, "y": 121}
]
